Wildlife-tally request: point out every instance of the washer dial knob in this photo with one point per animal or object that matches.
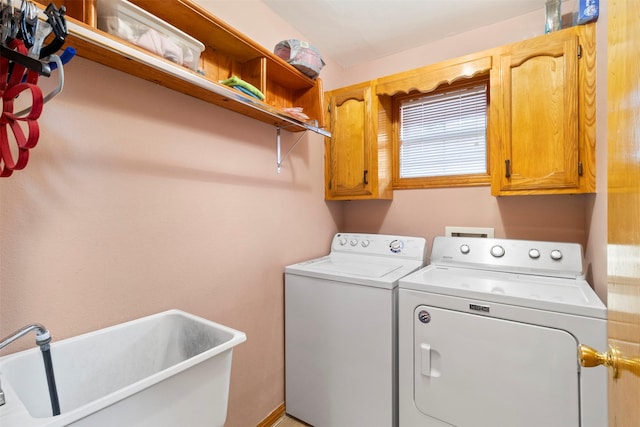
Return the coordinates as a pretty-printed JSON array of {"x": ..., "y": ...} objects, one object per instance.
[
  {"x": 365, "y": 243},
  {"x": 396, "y": 246},
  {"x": 534, "y": 253},
  {"x": 353, "y": 242},
  {"x": 497, "y": 251},
  {"x": 343, "y": 241},
  {"x": 465, "y": 249},
  {"x": 556, "y": 255}
]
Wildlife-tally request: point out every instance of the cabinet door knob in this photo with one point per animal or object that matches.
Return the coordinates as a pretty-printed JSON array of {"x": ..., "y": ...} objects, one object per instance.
[
  {"x": 364, "y": 179},
  {"x": 507, "y": 164}
]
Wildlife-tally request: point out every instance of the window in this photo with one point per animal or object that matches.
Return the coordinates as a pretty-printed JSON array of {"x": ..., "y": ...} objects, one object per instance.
[{"x": 441, "y": 138}]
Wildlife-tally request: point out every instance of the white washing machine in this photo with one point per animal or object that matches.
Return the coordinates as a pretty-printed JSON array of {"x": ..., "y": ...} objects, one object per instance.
[
  {"x": 341, "y": 330},
  {"x": 489, "y": 335}
]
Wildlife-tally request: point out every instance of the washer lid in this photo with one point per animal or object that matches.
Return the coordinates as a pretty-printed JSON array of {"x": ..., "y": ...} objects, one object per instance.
[
  {"x": 564, "y": 295},
  {"x": 354, "y": 268},
  {"x": 363, "y": 270}
]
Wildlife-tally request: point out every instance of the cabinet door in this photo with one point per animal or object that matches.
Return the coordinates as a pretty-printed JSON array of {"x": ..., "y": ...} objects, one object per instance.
[
  {"x": 350, "y": 163},
  {"x": 538, "y": 137}
]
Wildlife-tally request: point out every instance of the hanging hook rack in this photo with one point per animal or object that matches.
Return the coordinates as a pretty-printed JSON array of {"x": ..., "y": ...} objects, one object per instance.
[
  {"x": 278, "y": 147},
  {"x": 22, "y": 60}
]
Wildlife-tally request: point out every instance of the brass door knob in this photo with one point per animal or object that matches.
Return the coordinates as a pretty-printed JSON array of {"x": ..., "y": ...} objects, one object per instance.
[{"x": 589, "y": 358}]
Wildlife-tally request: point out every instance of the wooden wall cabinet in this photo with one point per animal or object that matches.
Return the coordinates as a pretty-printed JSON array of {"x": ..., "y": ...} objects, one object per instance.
[
  {"x": 358, "y": 156},
  {"x": 227, "y": 53},
  {"x": 358, "y": 153},
  {"x": 541, "y": 135},
  {"x": 542, "y": 115}
]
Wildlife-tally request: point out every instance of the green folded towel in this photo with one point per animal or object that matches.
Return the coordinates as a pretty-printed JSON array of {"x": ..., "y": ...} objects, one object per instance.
[{"x": 235, "y": 81}]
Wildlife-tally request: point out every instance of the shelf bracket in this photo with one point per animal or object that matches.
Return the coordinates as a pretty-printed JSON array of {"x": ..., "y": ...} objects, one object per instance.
[{"x": 281, "y": 158}]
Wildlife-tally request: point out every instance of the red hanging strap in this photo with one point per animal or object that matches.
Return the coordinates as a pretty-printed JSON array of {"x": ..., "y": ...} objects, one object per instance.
[{"x": 13, "y": 83}]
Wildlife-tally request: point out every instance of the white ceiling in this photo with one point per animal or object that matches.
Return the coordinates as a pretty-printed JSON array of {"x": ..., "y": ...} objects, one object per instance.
[{"x": 356, "y": 31}]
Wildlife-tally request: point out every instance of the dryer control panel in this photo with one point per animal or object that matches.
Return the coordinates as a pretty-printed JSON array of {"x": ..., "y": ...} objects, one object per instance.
[
  {"x": 405, "y": 247},
  {"x": 560, "y": 259}
]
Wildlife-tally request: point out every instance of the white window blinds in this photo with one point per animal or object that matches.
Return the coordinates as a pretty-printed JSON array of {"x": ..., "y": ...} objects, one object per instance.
[{"x": 444, "y": 133}]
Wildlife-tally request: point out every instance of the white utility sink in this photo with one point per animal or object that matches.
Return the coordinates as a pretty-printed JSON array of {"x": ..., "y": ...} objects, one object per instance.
[{"x": 169, "y": 369}]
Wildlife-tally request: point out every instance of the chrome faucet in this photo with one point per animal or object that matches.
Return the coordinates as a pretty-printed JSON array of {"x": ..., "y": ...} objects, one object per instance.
[{"x": 43, "y": 338}]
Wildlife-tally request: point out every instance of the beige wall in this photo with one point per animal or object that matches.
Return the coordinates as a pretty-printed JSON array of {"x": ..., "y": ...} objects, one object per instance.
[{"x": 139, "y": 199}]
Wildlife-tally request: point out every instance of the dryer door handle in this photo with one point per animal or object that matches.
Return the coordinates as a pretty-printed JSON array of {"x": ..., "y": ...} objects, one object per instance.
[
  {"x": 425, "y": 359},
  {"x": 612, "y": 359}
]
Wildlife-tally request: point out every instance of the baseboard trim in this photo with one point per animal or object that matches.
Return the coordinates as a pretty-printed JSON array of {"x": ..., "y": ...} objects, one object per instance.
[{"x": 274, "y": 416}]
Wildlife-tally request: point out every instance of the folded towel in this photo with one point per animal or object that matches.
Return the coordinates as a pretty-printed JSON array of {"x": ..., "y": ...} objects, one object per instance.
[
  {"x": 239, "y": 83},
  {"x": 243, "y": 90}
]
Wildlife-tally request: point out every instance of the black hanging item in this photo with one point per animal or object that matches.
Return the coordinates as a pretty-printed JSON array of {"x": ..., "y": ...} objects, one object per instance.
[
  {"x": 9, "y": 28},
  {"x": 42, "y": 68},
  {"x": 28, "y": 22},
  {"x": 55, "y": 18}
]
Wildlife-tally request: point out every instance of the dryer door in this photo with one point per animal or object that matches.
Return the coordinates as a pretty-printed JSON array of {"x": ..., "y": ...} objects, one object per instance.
[{"x": 477, "y": 371}]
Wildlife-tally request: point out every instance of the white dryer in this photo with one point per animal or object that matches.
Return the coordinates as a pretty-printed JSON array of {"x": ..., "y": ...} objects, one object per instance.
[
  {"x": 488, "y": 337},
  {"x": 341, "y": 330}
]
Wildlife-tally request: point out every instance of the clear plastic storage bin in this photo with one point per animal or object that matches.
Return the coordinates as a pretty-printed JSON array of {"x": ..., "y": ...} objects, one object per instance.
[{"x": 135, "y": 25}]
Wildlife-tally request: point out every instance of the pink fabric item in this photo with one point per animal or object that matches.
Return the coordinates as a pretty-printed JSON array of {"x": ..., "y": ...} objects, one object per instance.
[
  {"x": 151, "y": 40},
  {"x": 172, "y": 50},
  {"x": 301, "y": 55},
  {"x": 284, "y": 52},
  {"x": 161, "y": 45}
]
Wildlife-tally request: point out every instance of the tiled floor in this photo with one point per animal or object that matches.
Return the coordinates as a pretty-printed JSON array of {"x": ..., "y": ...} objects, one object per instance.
[{"x": 287, "y": 421}]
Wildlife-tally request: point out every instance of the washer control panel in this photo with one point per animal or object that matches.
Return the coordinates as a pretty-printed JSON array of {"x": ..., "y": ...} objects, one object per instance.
[
  {"x": 540, "y": 257},
  {"x": 380, "y": 244}
]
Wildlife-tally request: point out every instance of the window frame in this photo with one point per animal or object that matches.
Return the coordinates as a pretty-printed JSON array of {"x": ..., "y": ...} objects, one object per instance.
[{"x": 462, "y": 180}]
